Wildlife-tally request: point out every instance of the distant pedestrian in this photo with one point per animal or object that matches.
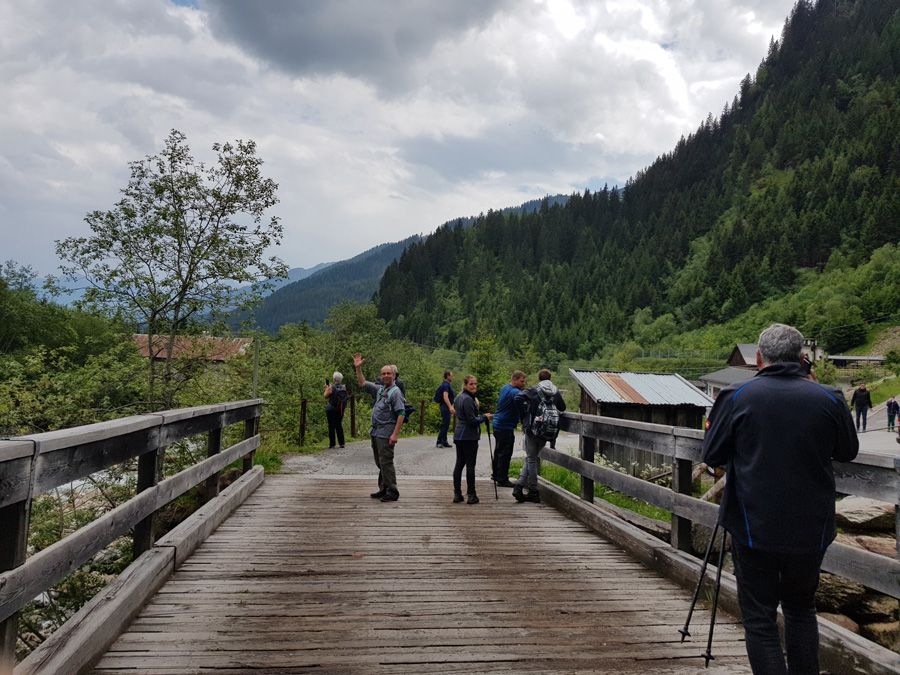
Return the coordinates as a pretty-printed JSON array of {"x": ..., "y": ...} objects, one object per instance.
[
  {"x": 539, "y": 409},
  {"x": 778, "y": 504},
  {"x": 504, "y": 424},
  {"x": 401, "y": 385},
  {"x": 336, "y": 395},
  {"x": 388, "y": 414},
  {"x": 861, "y": 402},
  {"x": 444, "y": 397},
  {"x": 893, "y": 409},
  {"x": 465, "y": 437}
]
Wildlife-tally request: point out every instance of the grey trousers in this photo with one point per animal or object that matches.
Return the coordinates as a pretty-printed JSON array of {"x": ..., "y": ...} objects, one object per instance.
[
  {"x": 532, "y": 467},
  {"x": 384, "y": 460}
]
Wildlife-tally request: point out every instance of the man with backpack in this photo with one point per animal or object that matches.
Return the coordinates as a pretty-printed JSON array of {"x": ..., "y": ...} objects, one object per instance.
[
  {"x": 504, "y": 423},
  {"x": 336, "y": 395},
  {"x": 539, "y": 408},
  {"x": 388, "y": 415},
  {"x": 444, "y": 397}
]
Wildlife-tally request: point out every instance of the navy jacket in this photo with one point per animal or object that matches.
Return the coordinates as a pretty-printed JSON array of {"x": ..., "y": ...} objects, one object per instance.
[{"x": 777, "y": 435}]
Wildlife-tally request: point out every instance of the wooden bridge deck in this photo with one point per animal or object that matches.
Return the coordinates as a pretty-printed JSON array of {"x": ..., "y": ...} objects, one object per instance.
[{"x": 310, "y": 574}]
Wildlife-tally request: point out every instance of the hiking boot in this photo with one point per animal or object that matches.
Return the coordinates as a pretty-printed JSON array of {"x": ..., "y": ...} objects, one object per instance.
[
  {"x": 517, "y": 493},
  {"x": 458, "y": 498},
  {"x": 377, "y": 495},
  {"x": 505, "y": 483},
  {"x": 473, "y": 499},
  {"x": 390, "y": 496},
  {"x": 533, "y": 496}
]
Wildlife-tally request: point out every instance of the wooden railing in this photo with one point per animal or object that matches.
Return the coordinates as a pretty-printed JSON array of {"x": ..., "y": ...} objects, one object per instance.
[
  {"x": 33, "y": 465},
  {"x": 870, "y": 475}
]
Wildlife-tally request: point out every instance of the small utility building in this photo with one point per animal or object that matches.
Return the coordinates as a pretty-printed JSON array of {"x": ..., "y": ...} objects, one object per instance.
[{"x": 641, "y": 397}]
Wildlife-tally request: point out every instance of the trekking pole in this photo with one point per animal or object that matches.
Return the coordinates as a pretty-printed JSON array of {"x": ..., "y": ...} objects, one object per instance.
[
  {"x": 712, "y": 621},
  {"x": 685, "y": 633},
  {"x": 487, "y": 425}
]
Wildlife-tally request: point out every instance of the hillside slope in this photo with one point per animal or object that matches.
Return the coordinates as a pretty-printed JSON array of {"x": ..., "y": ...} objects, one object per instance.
[{"x": 798, "y": 171}]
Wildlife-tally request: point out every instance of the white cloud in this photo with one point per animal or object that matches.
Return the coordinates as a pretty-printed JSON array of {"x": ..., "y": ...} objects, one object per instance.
[{"x": 376, "y": 124}]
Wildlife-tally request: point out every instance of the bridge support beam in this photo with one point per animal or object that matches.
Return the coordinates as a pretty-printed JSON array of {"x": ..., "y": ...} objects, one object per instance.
[
  {"x": 682, "y": 483},
  {"x": 588, "y": 451}
]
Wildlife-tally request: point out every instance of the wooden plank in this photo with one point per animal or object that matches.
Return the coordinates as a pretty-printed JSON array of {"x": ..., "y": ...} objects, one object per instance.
[
  {"x": 45, "y": 568},
  {"x": 875, "y": 571},
  {"x": 188, "y": 535},
  {"x": 87, "y": 634}
]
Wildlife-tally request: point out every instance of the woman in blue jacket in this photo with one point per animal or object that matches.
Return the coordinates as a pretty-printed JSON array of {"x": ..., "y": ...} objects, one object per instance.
[{"x": 465, "y": 437}]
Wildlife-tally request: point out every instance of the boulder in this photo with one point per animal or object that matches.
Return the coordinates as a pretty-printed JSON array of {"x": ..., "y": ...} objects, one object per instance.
[
  {"x": 875, "y": 608},
  {"x": 860, "y": 513},
  {"x": 841, "y": 620},
  {"x": 885, "y": 634},
  {"x": 835, "y": 594},
  {"x": 885, "y": 545}
]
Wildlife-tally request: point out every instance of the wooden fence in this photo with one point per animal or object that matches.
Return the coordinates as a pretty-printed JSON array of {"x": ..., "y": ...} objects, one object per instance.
[
  {"x": 870, "y": 475},
  {"x": 33, "y": 465}
]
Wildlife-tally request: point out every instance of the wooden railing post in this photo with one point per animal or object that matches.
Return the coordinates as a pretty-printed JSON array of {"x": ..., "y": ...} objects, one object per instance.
[
  {"x": 682, "y": 483},
  {"x": 421, "y": 417},
  {"x": 251, "y": 428},
  {"x": 588, "y": 451},
  {"x": 213, "y": 447},
  {"x": 303, "y": 404},
  {"x": 13, "y": 545},
  {"x": 352, "y": 415},
  {"x": 149, "y": 469}
]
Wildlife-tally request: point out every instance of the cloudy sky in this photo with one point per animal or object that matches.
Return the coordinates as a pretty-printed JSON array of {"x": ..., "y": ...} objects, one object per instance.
[{"x": 377, "y": 119}]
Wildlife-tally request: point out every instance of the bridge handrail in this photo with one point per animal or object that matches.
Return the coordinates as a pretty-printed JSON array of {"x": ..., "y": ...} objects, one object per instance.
[
  {"x": 32, "y": 465},
  {"x": 870, "y": 475}
]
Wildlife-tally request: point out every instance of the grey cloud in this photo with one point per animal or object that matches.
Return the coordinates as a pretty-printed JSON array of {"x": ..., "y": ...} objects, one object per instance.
[{"x": 376, "y": 42}]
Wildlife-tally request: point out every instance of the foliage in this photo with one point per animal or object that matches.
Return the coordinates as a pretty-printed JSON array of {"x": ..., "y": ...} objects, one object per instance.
[
  {"x": 793, "y": 179},
  {"x": 892, "y": 361},
  {"x": 169, "y": 252}
]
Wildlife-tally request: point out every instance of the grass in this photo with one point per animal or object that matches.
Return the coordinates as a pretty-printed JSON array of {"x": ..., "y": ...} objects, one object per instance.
[
  {"x": 571, "y": 481},
  {"x": 883, "y": 391}
]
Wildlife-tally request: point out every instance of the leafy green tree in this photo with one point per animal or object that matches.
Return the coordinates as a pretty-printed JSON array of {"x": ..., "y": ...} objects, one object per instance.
[
  {"x": 169, "y": 254},
  {"x": 484, "y": 362}
]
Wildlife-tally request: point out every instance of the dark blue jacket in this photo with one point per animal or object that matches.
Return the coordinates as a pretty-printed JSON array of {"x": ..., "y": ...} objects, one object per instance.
[
  {"x": 506, "y": 416},
  {"x": 777, "y": 435}
]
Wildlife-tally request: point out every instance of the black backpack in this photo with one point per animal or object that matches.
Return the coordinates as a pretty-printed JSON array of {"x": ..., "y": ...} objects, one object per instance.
[
  {"x": 439, "y": 395},
  {"x": 545, "y": 421}
]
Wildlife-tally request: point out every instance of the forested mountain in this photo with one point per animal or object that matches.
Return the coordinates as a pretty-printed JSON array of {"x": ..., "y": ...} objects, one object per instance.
[
  {"x": 310, "y": 299},
  {"x": 800, "y": 170},
  {"x": 355, "y": 279}
]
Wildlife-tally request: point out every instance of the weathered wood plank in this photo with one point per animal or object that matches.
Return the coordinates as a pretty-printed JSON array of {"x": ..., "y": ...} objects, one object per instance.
[
  {"x": 87, "y": 634},
  {"x": 19, "y": 586}
]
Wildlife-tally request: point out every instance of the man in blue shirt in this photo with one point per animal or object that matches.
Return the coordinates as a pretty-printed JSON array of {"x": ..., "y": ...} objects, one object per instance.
[
  {"x": 505, "y": 419},
  {"x": 444, "y": 397},
  {"x": 388, "y": 414}
]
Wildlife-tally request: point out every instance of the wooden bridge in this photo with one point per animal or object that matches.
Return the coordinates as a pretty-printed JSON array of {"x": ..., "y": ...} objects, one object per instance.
[{"x": 309, "y": 574}]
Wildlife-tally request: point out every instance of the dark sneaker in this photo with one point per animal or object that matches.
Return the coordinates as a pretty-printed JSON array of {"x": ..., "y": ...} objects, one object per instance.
[
  {"x": 458, "y": 498},
  {"x": 517, "y": 493},
  {"x": 473, "y": 499},
  {"x": 506, "y": 483},
  {"x": 533, "y": 496},
  {"x": 390, "y": 496},
  {"x": 377, "y": 495}
]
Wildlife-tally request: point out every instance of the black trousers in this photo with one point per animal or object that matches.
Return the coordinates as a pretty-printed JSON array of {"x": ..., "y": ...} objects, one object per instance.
[
  {"x": 506, "y": 440},
  {"x": 765, "y": 579},
  {"x": 335, "y": 426},
  {"x": 466, "y": 454}
]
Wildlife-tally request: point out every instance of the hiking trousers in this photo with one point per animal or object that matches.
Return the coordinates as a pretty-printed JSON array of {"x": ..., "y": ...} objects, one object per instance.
[{"x": 384, "y": 460}]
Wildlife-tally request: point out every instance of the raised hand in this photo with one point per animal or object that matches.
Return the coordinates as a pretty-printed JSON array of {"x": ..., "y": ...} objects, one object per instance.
[{"x": 358, "y": 360}]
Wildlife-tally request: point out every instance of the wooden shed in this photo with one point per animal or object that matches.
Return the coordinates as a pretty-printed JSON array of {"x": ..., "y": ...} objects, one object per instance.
[{"x": 642, "y": 397}]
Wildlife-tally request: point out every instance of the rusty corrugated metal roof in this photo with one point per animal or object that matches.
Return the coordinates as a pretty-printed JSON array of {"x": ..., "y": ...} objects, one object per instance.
[
  {"x": 640, "y": 388},
  {"x": 204, "y": 347}
]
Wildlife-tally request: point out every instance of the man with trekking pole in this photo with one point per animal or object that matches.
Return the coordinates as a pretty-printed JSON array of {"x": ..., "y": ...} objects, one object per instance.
[{"x": 777, "y": 435}]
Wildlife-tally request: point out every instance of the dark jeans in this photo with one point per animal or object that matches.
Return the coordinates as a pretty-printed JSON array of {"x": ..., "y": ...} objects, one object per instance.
[
  {"x": 384, "y": 460},
  {"x": 764, "y": 579},
  {"x": 506, "y": 439},
  {"x": 466, "y": 453},
  {"x": 445, "y": 425},
  {"x": 860, "y": 411},
  {"x": 335, "y": 426}
]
